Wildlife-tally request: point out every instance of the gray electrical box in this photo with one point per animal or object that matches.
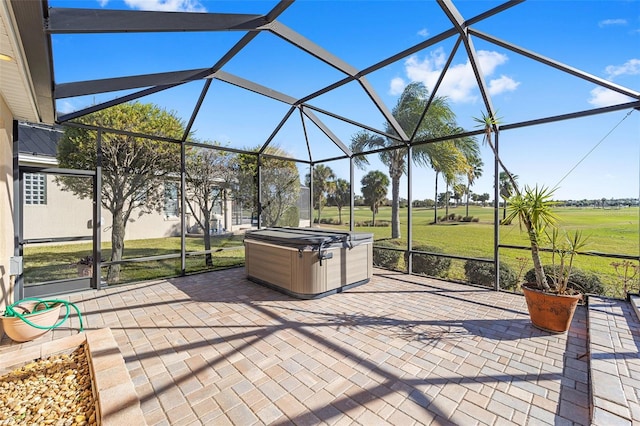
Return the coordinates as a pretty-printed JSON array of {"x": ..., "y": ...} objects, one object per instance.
[{"x": 15, "y": 265}]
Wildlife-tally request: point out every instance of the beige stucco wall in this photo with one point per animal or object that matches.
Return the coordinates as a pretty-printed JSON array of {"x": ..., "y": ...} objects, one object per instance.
[
  {"x": 6, "y": 202},
  {"x": 66, "y": 215}
]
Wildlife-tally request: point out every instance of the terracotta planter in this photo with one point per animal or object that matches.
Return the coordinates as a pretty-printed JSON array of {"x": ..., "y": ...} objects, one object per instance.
[
  {"x": 20, "y": 331},
  {"x": 550, "y": 312},
  {"x": 85, "y": 270}
]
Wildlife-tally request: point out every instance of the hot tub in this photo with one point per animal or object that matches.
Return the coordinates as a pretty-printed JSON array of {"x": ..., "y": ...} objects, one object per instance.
[{"x": 308, "y": 262}]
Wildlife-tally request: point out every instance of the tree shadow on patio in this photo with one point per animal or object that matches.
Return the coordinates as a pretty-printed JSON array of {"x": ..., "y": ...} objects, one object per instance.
[{"x": 400, "y": 354}]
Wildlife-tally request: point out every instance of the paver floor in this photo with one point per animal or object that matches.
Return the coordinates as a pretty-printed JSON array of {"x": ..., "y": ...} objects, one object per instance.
[{"x": 218, "y": 349}]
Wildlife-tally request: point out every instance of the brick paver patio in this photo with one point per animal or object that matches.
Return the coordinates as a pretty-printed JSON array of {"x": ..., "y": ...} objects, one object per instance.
[{"x": 218, "y": 349}]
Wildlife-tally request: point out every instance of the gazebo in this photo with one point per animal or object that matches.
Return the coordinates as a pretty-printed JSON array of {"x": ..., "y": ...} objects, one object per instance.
[
  {"x": 309, "y": 126},
  {"x": 244, "y": 115}
]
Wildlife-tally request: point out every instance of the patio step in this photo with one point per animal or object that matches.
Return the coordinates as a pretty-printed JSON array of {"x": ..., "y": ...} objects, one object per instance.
[
  {"x": 635, "y": 303},
  {"x": 614, "y": 350}
]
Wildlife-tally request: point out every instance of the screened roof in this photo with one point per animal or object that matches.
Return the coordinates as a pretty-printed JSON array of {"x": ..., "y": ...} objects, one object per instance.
[{"x": 306, "y": 76}]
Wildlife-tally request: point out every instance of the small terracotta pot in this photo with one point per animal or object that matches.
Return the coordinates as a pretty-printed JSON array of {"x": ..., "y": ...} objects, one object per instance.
[
  {"x": 548, "y": 311},
  {"x": 20, "y": 331},
  {"x": 85, "y": 270}
]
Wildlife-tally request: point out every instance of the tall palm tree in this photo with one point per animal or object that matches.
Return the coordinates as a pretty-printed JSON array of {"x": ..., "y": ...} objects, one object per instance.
[
  {"x": 459, "y": 189},
  {"x": 453, "y": 159},
  {"x": 474, "y": 172},
  {"x": 506, "y": 184},
  {"x": 437, "y": 121},
  {"x": 323, "y": 178},
  {"x": 341, "y": 196},
  {"x": 445, "y": 160},
  {"x": 532, "y": 208},
  {"x": 470, "y": 151},
  {"x": 374, "y": 190},
  {"x": 490, "y": 122}
]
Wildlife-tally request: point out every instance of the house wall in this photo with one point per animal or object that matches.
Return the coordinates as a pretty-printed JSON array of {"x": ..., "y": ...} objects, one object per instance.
[
  {"x": 65, "y": 215},
  {"x": 6, "y": 203}
]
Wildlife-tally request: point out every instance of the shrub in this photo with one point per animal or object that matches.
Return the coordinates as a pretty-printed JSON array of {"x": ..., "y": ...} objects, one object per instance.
[
  {"x": 483, "y": 273},
  {"x": 435, "y": 266},
  {"x": 475, "y": 219},
  {"x": 383, "y": 258},
  {"x": 290, "y": 218},
  {"x": 467, "y": 218},
  {"x": 578, "y": 280},
  {"x": 379, "y": 223}
]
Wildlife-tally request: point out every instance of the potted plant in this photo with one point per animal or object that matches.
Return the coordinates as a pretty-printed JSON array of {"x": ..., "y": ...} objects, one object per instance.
[
  {"x": 551, "y": 305},
  {"x": 85, "y": 266},
  {"x": 551, "y": 302}
]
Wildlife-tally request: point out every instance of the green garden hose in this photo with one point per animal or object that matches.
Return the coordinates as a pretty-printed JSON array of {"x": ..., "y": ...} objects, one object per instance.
[{"x": 48, "y": 304}]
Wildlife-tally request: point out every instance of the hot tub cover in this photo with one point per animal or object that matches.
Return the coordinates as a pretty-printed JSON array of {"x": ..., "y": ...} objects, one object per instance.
[{"x": 302, "y": 237}]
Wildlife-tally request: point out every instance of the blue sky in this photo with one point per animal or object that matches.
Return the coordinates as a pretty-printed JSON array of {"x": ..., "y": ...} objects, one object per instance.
[{"x": 599, "y": 155}]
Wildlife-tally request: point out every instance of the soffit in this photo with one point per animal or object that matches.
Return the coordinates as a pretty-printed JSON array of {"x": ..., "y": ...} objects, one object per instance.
[{"x": 26, "y": 83}]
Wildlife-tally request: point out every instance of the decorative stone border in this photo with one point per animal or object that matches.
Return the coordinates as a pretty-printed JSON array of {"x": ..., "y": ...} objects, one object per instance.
[{"x": 116, "y": 400}]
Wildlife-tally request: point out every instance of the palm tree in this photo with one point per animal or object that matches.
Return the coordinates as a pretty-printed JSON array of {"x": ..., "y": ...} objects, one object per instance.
[
  {"x": 374, "y": 190},
  {"x": 449, "y": 183},
  {"x": 532, "y": 208},
  {"x": 341, "y": 196},
  {"x": 474, "y": 172},
  {"x": 490, "y": 122},
  {"x": 470, "y": 163},
  {"x": 438, "y": 121},
  {"x": 506, "y": 190},
  {"x": 453, "y": 158},
  {"x": 459, "y": 189},
  {"x": 323, "y": 178}
]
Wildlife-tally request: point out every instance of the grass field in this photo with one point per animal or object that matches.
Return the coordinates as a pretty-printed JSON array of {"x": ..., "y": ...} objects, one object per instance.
[
  {"x": 610, "y": 231},
  {"x": 48, "y": 263}
]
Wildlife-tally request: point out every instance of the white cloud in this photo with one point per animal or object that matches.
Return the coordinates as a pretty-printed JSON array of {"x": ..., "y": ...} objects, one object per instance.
[
  {"x": 103, "y": 3},
  {"x": 601, "y": 97},
  {"x": 397, "y": 86},
  {"x": 167, "y": 5},
  {"x": 65, "y": 106},
  {"x": 631, "y": 67},
  {"x": 459, "y": 84},
  {"x": 502, "y": 84},
  {"x": 608, "y": 22},
  {"x": 423, "y": 32}
]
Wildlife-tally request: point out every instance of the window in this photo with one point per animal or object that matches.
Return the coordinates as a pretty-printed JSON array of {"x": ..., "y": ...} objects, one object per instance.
[
  {"x": 170, "y": 199},
  {"x": 35, "y": 188}
]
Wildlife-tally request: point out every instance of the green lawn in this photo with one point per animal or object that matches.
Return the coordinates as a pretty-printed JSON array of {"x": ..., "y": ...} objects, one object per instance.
[
  {"x": 48, "y": 263},
  {"x": 610, "y": 231}
]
